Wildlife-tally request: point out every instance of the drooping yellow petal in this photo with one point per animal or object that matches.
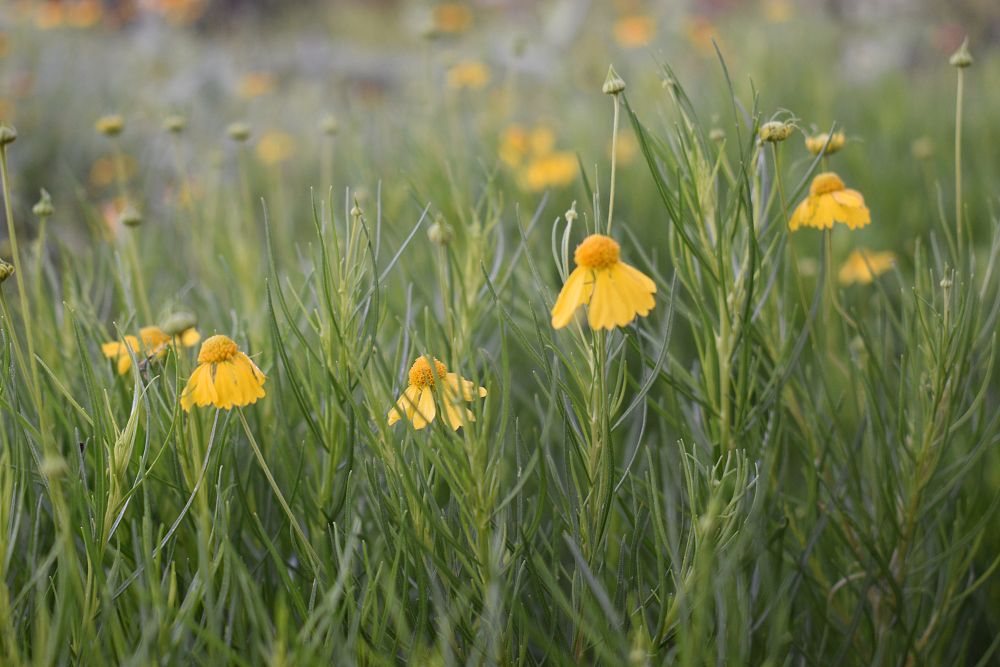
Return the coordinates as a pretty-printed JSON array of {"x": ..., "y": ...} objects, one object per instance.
[
  {"x": 453, "y": 413},
  {"x": 606, "y": 309},
  {"x": 406, "y": 404},
  {"x": 575, "y": 293},
  {"x": 467, "y": 388},
  {"x": 634, "y": 288},
  {"x": 425, "y": 412}
]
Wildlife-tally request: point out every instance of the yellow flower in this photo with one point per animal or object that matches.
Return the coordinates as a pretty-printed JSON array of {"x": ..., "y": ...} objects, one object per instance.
[
  {"x": 828, "y": 202},
  {"x": 256, "y": 84},
  {"x": 85, "y": 13},
  {"x": 275, "y": 147},
  {"x": 863, "y": 266},
  {"x": 452, "y": 17},
  {"x": 225, "y": 377},
  {"x": 815, "y": 143},
  {"x": 634, "y": 31},
  {"x": 104, "y": 171},
  {"x": 188, "y": 338},
  {"x": 513, "y": 145},
  {"x": 151, "y": 343},
  {"x": 110, "y": 125},
  {"x": 419, "y": 401},
  {"x": 614, "y": 291},
  {"x": 552, "y": 170},
  {"x": 471, "y": 74}
]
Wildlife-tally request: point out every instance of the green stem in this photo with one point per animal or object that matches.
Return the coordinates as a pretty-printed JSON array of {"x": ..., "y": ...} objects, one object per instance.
[
  {"x": 614, "y": 164},
  {"x": 958, "y": 152}
]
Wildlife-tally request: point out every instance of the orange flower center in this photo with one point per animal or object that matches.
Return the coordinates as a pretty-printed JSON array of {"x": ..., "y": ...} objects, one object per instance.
[
  {"x": 217, "y": 349},
  {"x": 597, "y": 252},
  {"x": 825, "y": 184},
  {"x": 422, "y": 375}
]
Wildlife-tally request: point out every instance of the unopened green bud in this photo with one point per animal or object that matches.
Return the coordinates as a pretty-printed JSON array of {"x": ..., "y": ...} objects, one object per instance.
[
  {"x": 110, "y": 125},
  {"x": 174, "y": 123},
  {"x": 8, "y": 134},
  {"x": 440, "y": 233},
  {"x": 613, "y": 84},
  {"x": 238, "y": 131},
  {"x": 329, "y": 125},
  {"x": 571, "y": 214},
  {"x": 177, "y": 323},
  {"x": 356, "y": 210},
  {"x": 775, "y": 131},
  {"x": 130, "y": 216},
  {"x": 43, "y": 207},
  {"x": 961, "y": 58},
  {"x": 6, "y": 270}
]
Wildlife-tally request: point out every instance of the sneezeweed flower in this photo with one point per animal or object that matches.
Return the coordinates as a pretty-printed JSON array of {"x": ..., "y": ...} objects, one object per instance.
[
  {"x": 470, "y": 74},
  {"x": 775, "y": 131},
  {"x": 225, "y": 377},
  {"x": 84, "y": 13},
  {"x": 634, "y": 31},
  {"x": 614, "y": 291},
  {"x": 830, "y": 201},
  {"x": 833, "y": 143},
  {"x": 275, "y": 147},
  {"x": 256, "y": 84},
  {"x": 151, "y": 343},
  {"x": 451, "y": 17},
  {"x": 238, "y": 131},
  {"x": 863, "y": 266},
  {"x": 6, "y": 270},
  {"x": 553, "y": 170},
  {"x": 110, "y": 125},
  {"x": 429, "y": 381}
]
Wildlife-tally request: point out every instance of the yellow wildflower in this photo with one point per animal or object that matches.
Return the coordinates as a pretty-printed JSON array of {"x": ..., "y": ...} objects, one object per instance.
[
  {"x": 614, "y": 291},
  {"x": 834, "y": 143},
  {"x": 471, "y": 74},
  {"x": 552, "y": 170},
  {"x": 84, "y": 13},
  {"x": 110, "y": 125},
  {"x": 256, "y": 84},
  {"x": 634, "y": 31},
  {"x": 275, "y": 147},
  {"x": 830, "y": 201},
  {"x": 151, "y": 343},
  {"x": 419, "y": 403},
  {"x": 104, "y": 171},
  {"x": 863, "y": 266},
  {"x": 513, "y": 145},
  {"x": 452, "y": 17},
  {"x": 49, "y": 15},
  {"x": 225, "y": 377}
]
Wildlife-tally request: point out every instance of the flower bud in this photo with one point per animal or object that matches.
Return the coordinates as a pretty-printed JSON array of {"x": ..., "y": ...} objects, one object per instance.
[
  {"x": 174, "y": 124},
  {"x": 110, "y": 125},
  {"x": 440, "y": 233},
  {"x": 130, "y": 216},
  {"x": 775, "y": 131},
  {"x": 571, "y": 215},
  {"x": 329, "y": 125},
  {"x": 178, "y": 323},
  {"x": 6, "y": 270},
  {"x": 43, "y": 207},
  {"x": 238, "y": 131},
  {"x": 833, "y": 143},
  {"x": 356, "y": 210},
  {"x": 613, "y": 84},
  {"x": 961, "y": 58},
  {"x": 7, "y": 134}
]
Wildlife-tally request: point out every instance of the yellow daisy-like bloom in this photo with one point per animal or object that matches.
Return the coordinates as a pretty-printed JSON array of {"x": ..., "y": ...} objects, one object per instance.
[
  {"x": 151, "y": 343},
  {"x": 471, "y": 74},
  {"x": 553, "y": 170},
  {"x": 187, "y": 338},
  {"x": 275, "y": 147},
  {"x": 834, "y": 143},
  {"x": 452, "y": 17},
  {"x": 225, "y": 377},
  {"x": 863, "y": 266},
  {"x": 634, "y": 31},
  {"x": 830, "y": 201},
  {"x": 419, "y": 401},
  {"x": 614, "y": 291}
]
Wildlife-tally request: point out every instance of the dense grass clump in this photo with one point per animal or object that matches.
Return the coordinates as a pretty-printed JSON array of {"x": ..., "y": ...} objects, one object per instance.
[{"x": 499, "y": 390}]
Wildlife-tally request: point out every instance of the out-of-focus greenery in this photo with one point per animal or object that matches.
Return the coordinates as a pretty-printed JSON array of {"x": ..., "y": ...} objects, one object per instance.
[{"x": 772, "y": 468}]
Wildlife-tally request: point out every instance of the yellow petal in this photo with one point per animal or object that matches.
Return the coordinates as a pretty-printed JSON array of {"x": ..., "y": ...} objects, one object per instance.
[
  {"x": 453, "y": 415},
  {"x": 425, "y": 412},
  {"x": 190, "y": 337},
  {"x": 606, "y": 309},
  {"x": 406, "y": 404},
  {"x": 468, "y": 387},
  {"x": 575, "y": 293}
]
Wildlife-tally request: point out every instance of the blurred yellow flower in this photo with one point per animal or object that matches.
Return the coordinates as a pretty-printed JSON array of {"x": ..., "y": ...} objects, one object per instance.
[
  {"x": 816, "y": 142},
  {"x": 49, "y": 15},
  {"x": 104, "y": 172},
  {"x": 634, "y": 31},
  {"x": 225, "y": 377},
  {"x": 471, "y": 74},
  {"x": 778, "y": 11},
  {"x": 628, "y": 147},
  {"x": 152, "y": 343},
  {"x": 830, "y": 201},
  {"x": 863, "y": 266},
  {"x": 110, "y": 125},
  {"x": 256, "y": 84},
  {"x": 703, "y": 35},
  {"x": 513, "y": 145},
  {"x": 614, "y": 291},
  {"x": 275, "y": 147},
  {"x": 552, "y": 170},
  {"x": 419, "y": 400},
  {"x": 542, "y": 140},
  {"x": 179, "y": 12},
  {"x": 84, "y": 13},
  {"x": 451, "y": 17}
]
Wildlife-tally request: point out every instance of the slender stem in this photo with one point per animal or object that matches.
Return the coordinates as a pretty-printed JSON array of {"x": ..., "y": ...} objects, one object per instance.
[
  {"x": 614, "y": 164},
  {"x": 958, "y": 152}
]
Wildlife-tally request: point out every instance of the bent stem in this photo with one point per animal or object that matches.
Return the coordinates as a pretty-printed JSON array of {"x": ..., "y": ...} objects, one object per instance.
[
  {"x": 614, "y": 163},
  {"x": 313, "y": 557}
]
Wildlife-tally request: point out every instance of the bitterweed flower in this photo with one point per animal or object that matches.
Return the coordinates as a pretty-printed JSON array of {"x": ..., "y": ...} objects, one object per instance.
[
  {"x": 225, "y": 377},
  {"x": 825, "y": 143},
  {"x": 470, "y": 74},
  {"x": 614, "y": 291},
  {"x": 419, "y": 402},
  {"x": 151, "y": 343},
  {"x": 862, "y": 266},
  {"x": 830, "y": 201}
]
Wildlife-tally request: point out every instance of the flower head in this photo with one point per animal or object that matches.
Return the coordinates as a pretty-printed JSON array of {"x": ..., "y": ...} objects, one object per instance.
[
  {"x": 151, "y": 344},
  {"x": 452, "y": 17},
  {"x": 225, "y": 377},
  {"x": 470, "y": 74},
  {"x": 275, "y": 147},
  {"x": 825, "y": 143},
  {"x": 430, "y": 383},
  {"x": 830, "y": 201},
  {"x": 635, "y": 30},
  {"x": 614, "y": 291},
  {"x": 863, "y": 266}
]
